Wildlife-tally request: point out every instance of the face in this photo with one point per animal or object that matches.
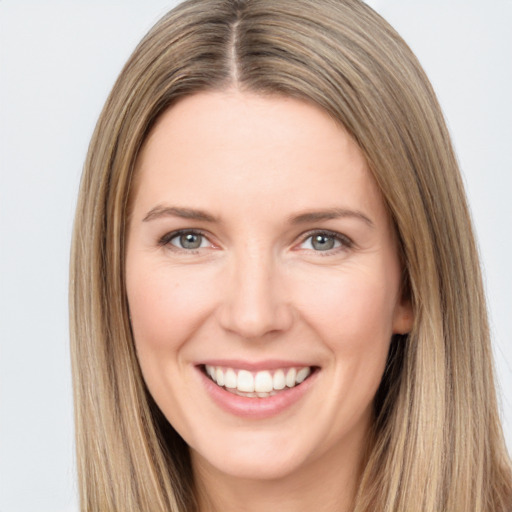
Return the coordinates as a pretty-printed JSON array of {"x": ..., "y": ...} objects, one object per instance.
[{"x": 263, "y": 283}]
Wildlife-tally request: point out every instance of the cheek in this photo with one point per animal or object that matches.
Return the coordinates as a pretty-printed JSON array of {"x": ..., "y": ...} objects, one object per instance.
[
  {"x": 353, "y": 309},
  {"x": 166, "y": 306},
  {"x": 353, "y": 316}
]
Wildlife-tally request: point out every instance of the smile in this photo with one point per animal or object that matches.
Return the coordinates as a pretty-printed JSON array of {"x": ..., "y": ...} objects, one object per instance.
[
  {"x": 257, "y": 391},
  {"x": 261, "y": 384}
]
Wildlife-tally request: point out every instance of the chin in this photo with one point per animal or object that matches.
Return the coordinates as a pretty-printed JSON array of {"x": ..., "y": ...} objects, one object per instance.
[{"x": 246, "y": 466}]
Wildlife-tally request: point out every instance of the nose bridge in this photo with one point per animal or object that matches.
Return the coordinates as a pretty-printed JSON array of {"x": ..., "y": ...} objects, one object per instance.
[{"x": 254, "y": 304}]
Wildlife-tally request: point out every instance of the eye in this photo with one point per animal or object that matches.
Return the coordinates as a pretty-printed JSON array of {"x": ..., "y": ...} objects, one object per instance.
[
  {"x": 185, "y": 240},
  {"x": 322, "y": 241}
]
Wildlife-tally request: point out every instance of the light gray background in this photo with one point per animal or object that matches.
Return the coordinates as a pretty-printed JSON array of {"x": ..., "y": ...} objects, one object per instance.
[{"x": 58, "y": 60}]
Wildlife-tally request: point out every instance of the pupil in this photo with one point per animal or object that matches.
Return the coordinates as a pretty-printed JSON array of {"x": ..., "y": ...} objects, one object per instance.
[
  {"x": 323, "y": 242},
  {"x": 190, "y": 241}
]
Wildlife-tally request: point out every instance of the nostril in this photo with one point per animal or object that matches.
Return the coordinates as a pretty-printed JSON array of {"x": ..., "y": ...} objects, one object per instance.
[{"x": 252, "y": 304}]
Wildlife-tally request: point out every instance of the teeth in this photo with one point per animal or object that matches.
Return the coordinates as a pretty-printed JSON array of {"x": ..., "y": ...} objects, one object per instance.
[
  {"x": 302, "y": 374},
  {"x": 290, "y": 377},
  {"x": 279, "y": 381},
  {"x": 219, "y": 377},
  {"x": 245, "y": 381},
  {"x": 261, "y": 384},
  {"x": 230, "y": 379}
]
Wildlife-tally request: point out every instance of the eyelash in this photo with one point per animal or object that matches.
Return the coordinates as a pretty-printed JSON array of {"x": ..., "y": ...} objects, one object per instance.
[
  {"x": 165, "y": 241},
  {"x": 344, "y": 241}
]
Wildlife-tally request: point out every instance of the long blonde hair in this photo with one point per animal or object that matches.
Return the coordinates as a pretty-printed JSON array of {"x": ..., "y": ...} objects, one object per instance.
[{"x": 438, "y": 444}]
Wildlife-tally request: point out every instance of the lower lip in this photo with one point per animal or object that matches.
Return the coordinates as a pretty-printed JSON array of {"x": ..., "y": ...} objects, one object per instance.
[{"x": 254, "y": 407}]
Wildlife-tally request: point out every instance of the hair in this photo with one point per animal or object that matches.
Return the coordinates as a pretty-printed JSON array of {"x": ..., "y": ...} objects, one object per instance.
[{"x": 437, "y": 439}]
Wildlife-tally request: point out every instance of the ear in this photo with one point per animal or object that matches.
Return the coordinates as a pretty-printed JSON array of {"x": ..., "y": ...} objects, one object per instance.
[{"x": 403, "y": 317}]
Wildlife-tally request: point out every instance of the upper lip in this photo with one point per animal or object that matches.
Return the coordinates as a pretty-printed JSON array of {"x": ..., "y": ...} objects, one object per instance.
[{"x": 255, "y": 366}]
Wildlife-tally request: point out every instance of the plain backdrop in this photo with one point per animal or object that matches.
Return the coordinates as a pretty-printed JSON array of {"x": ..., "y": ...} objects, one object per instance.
[{"x": 58, "y": 61}]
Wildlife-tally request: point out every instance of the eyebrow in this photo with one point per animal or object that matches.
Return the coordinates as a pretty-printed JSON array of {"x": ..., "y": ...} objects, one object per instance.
[
  {"x": 304, "y": 218},
  {"x": 173, "y": 211},
  {"x": 331, "y": 213}
]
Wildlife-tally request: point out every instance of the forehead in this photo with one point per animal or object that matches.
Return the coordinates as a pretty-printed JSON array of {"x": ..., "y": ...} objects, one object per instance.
[{"x": 245, "y": 148}]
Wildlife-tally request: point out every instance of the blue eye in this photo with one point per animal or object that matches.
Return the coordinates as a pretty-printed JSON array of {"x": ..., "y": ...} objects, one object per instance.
[{"x": 186, "y": 240}]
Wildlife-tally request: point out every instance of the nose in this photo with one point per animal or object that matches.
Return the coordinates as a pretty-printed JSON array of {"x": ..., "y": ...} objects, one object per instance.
[{"x": 254, "y": 304}]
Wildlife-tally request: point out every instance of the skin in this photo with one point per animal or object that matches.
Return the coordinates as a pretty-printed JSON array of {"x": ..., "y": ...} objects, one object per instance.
[{"x": 257, "y": 289}]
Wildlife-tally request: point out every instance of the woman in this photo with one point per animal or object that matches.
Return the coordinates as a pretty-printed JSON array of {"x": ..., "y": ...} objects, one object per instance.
[{"x": 276, "y": 294}]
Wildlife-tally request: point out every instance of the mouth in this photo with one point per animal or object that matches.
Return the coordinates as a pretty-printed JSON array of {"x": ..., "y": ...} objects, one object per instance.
[{"x": 258, "y": 384}]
